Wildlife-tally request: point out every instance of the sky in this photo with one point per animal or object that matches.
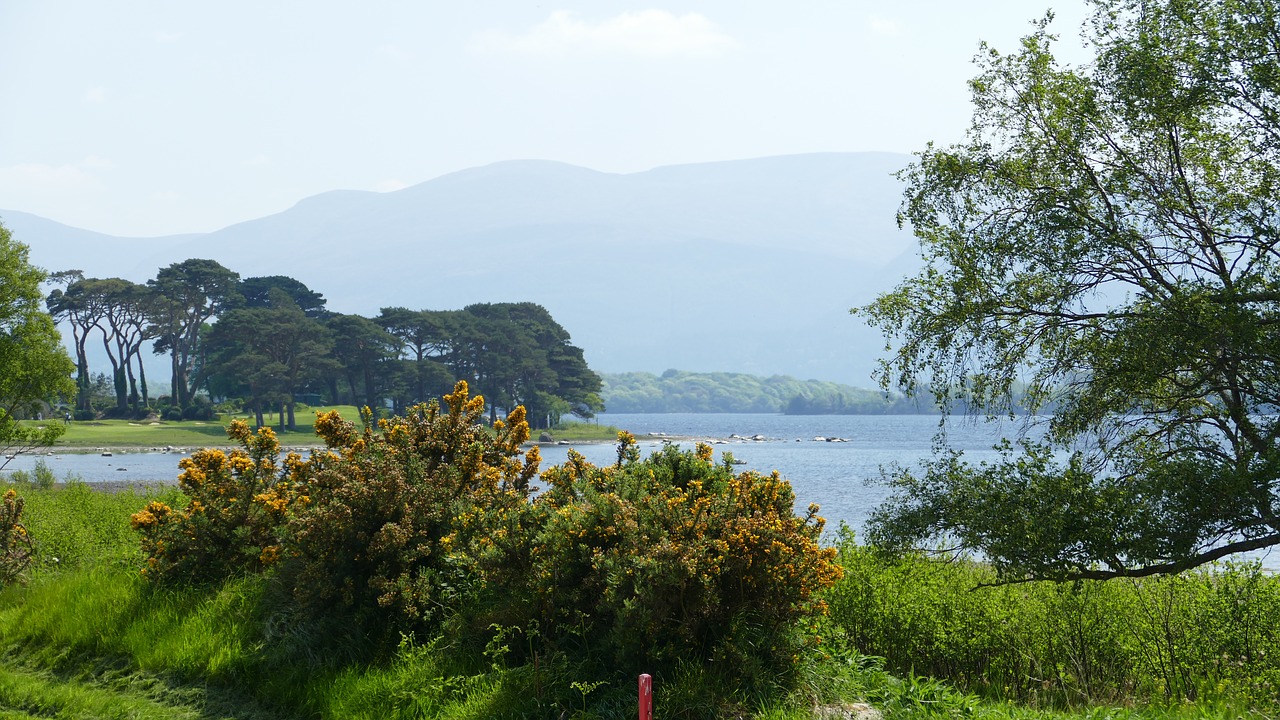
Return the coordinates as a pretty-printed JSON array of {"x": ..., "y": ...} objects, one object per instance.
[{"x": 154, "y": 118}]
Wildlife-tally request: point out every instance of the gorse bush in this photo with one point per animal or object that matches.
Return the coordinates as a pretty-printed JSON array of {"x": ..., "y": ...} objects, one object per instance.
[
  {"x": 675, "y": 557},
  {"x": 394, "y": 518},
  {"x": 237, "y": 503},
  {"x": 429, "y": 524},
  {"x": 15, "y": 542}
]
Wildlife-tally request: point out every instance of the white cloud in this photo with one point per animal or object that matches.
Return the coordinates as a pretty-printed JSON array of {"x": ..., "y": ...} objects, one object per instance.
[
  {"x": 166, "y": 197},
  {"x": 391, "y": 185},
  {"x": 647, "y": 33},
  {"x": 57, "y": 178},
  {"x": 256, "y": 161},
  {"x": 167, "y": 38},
  {"x": 96, "y": 96},
  {"x": 881, "y": 25}
]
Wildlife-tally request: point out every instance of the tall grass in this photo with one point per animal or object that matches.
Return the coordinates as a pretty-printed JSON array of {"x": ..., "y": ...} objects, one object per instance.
[
  {"x": 1211, "y": 636},
  {"x": 88, "y": 637}
]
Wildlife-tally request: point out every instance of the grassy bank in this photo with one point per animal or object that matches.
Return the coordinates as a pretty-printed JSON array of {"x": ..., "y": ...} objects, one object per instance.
[
  {"x": 91, "y": 434},
  {"x": 88, "y": 637},
  {"x": 581, "y": 432}
]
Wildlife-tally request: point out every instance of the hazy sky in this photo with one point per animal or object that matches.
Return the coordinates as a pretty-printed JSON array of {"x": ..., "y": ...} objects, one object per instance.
[{"x": 151, "y": 118}]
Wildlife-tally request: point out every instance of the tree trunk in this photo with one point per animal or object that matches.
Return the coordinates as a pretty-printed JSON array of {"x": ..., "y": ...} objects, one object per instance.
[
  {"x": 420, "y": 371},
  {"x": 83, "y": 399},
  {"x": 117, "y": 376},
  {"x": 133, "y": 384},
  {"x": 183, "y": 397},
  {"x": 174, "y": 397},
  {"x": 142, "y": 380},
  {"x": 369, "y": 385}
]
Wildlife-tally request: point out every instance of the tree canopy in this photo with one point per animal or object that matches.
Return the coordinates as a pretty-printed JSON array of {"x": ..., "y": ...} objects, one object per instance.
[
  {"x": 1106, "y": 233},
  {"x": 34, "y": 367},
  {"x": 191, "y": 293},
  {"x": 268, "y": 342},
  {"x": 267, "y": 355}
]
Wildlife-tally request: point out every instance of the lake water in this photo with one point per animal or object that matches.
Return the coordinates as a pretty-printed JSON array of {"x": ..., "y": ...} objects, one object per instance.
[
  {"x": 834, "y": 475},
  {"x": 838, "y": 476}
]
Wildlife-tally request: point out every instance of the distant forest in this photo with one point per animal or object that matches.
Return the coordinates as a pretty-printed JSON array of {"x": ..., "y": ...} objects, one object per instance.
[{"x": 676, "y": 391}]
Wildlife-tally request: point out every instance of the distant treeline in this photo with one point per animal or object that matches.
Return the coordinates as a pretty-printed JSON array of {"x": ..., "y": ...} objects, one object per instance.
[
  {"x": 263, "y": 343},
  {"x": 677, "y": 391}
]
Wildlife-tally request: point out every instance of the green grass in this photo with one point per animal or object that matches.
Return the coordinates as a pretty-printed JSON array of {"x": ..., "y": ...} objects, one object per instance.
[
  {"x": 88, "y": 637},
  {"x": 582, "y": 432},
  {"x": 1208, "y": 636},
  {"x": 187, "y": 433},
  {"x": 89, "y": 434}
]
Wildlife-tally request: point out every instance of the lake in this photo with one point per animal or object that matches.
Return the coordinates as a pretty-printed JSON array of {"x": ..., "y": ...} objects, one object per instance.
[
  {"x": 832, "y": 474},
  {"x": 838, "y": 476}
]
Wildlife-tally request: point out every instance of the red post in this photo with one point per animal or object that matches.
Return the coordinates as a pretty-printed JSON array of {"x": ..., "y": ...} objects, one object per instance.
[{"x": 646, "y": 697}]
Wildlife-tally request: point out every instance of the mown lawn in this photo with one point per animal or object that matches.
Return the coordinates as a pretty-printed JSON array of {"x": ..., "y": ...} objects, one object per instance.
[{"x": 186, "y": 433}]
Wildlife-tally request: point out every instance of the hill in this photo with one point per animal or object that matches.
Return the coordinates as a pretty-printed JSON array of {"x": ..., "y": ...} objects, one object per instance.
[
  {"x": 747, "y": 266},
  {"x": 685, "y": 392}
]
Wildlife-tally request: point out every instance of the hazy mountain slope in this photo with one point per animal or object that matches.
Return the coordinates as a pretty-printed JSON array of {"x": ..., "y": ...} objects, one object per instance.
[
  {"x": 55, "y": 246},
  {"x": 744, "y": 266}
]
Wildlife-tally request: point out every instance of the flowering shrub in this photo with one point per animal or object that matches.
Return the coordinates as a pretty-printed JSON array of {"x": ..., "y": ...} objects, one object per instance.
[
  {"x": 429, "y": 517},
  {"x": 674, "y": 556},
  {"x": 236, "y": 503},
  {"x": 15, "y": 543},
  {"x": 392, "y": 516}
]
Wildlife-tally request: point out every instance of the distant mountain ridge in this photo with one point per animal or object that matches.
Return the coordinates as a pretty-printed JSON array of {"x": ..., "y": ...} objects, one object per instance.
[{"x": 741, "y": 266}]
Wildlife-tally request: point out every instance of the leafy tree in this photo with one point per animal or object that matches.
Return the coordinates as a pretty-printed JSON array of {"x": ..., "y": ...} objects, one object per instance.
[
  {"x": 1109, "y": 233},
  {"x": 190, "y": 294},
  {"x": 34, "y": 367},
  {"x": 364, "y": 356},
  {"x": 122, "y": 318},
  {"x": 515, "y": 353},
  {"x": 519, "y": 355},
  {"x": 426, "y": 339},
  {"x": 256, "y": 292},
  {"x": 81, "y": 313},
  {"x": 270, "y": 354},
  {"x": 680, "y": 391}
]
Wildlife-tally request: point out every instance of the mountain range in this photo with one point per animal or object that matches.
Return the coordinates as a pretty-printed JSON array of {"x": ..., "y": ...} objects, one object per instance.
[{"x": 744, "y": 266}]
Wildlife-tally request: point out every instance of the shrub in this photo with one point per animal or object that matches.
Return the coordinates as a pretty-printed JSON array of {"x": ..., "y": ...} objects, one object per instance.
[
  {"x": 84, "y": 415},
  {"x": 391, "y": 515},
  {"x": 677, "y": 558},
  {"x": 198, "y": 410},
  {"x": 425, "y": 522},
  {"x": 173, "y": 414},
  {"x": 15, "y": 543},
  {"x": 42, "y": 476},
  {"x": 236, "y": 502}
]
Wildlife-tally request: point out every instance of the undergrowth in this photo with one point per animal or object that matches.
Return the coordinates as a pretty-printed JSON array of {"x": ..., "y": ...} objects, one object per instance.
[
  {"x": 89, "y": 636},
  {"x": 1209, "y": 636}
]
